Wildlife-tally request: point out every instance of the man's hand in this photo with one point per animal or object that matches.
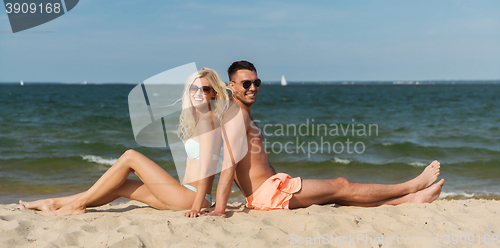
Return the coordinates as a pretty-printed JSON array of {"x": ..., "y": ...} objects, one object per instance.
[
  {"x": 192, "y": 214},
  {"x": 223, "y": 215}
]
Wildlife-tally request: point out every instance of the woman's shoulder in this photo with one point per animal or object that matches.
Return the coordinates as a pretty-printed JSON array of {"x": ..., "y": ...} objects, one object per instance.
[{"x": 207, "y": 123}]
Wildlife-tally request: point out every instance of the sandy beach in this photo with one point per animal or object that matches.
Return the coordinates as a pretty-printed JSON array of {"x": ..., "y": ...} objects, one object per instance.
[{"x": 443, "y": 223}]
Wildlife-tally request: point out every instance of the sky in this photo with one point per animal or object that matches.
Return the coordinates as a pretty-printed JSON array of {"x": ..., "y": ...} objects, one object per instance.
[{"x": 129, "y": 41}]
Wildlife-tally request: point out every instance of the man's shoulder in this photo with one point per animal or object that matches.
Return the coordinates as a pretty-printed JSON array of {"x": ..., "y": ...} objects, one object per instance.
[
  {"x": 233, "y": 107},
  {"x": 235, "y": 111},
  {"x": 236, "y": 117}
]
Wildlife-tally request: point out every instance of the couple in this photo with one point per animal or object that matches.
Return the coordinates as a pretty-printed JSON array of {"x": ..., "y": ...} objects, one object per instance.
[{"x": 263, "y": 188}]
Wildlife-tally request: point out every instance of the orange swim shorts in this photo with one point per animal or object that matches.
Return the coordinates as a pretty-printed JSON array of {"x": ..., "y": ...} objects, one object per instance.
[{"x": 274, "y": 193}]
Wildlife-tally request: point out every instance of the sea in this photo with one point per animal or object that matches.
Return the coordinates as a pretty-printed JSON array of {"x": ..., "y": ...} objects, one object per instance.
[{"x": 58, "y": 139}]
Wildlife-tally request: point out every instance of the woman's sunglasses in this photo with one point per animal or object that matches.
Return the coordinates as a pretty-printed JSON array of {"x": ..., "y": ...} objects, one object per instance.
[
  {"x": 246, "y": 83},
  {"x": 194, "y": 89}
]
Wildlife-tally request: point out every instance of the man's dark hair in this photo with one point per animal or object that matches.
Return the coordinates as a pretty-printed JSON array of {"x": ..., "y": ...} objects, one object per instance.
[{"x": 239, "y": 65}]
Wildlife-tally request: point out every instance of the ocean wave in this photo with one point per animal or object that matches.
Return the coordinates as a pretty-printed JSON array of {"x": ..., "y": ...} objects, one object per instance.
[
  {"x": 477, "y": 194},
  {"x": 434, "y": 151},
  {"x": 99, "y": 160},
  {"x": 341, "y": 161},
  {"x": 444, "y": 195},
  {"x": 417, "y": 164}
]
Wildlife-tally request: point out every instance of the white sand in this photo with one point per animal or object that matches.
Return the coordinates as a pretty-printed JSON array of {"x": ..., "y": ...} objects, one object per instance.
[{"x": 135, "y": 225}]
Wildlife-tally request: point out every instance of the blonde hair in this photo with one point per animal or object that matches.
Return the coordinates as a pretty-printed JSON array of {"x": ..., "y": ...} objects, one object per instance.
[{"x": 187, "y": 120}]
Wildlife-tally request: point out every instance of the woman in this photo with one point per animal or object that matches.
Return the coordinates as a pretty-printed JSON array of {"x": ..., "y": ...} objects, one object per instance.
[{"x": 199, "y": 122}]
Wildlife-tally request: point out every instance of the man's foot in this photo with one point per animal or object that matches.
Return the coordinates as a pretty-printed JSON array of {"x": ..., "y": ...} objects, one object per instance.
[
  {"x": 426, "y": 178},
  {"x": 429, "y": 194},
  {"x": 68, "y": 210},
  {"x": 46, "y": 205}
]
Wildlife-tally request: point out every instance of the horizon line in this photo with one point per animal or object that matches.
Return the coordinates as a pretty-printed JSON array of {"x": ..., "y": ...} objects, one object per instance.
[{"x": 337, "y": 82}]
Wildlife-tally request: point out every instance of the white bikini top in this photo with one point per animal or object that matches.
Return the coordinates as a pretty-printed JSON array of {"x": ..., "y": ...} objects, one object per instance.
[{"x": 192, "y": 149}]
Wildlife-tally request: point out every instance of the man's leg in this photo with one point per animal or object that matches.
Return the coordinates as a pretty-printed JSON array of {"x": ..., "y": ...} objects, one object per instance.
[
  {"x": 341, "y": 190},
  {"x": 426, "y": 195}
]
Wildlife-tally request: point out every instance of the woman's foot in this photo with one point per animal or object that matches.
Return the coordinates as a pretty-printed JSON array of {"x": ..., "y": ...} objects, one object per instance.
[
  {"x": 46, "y": 205},
  {"x": 69, "y": 209}
]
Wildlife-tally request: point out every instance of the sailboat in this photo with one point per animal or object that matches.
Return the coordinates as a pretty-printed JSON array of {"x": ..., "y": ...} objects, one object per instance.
[
  {"x": 22, "y": 83},
  {"x": 283, "y": 80}
]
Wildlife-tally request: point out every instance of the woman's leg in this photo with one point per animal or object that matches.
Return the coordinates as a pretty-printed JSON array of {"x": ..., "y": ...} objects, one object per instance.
[
  {"x": 166, "y": 189},
  {"x": 157, "y": 183},
  {"x": 135, "y": 190},
  {"x": 50, "y": 204},
  {"x": 132, "y": 189}
]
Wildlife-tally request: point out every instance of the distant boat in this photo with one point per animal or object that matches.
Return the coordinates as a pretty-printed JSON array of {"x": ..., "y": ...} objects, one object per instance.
[
  {"x": 84, "y": 83},
  {"x": 283, "y": 80},
  {"x": 22, "y": 83}
]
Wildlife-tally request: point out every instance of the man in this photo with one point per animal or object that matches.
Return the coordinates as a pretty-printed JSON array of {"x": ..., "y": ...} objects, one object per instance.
[{"x": 246, "y": 162}]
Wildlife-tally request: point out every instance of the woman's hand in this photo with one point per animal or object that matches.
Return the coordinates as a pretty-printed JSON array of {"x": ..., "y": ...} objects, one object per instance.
[
  {"x": 192, "y": 214},
  {"x": 223, "y": 215}
]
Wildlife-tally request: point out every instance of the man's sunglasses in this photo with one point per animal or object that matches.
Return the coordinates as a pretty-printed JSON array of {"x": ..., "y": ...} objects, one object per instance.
[
  {"x": 206, "y": 89},
  {"x": 247, "y": 83}
]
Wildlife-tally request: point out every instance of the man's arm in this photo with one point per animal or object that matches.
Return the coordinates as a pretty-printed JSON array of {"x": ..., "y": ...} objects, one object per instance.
[{"x": 224, "y": 188}]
